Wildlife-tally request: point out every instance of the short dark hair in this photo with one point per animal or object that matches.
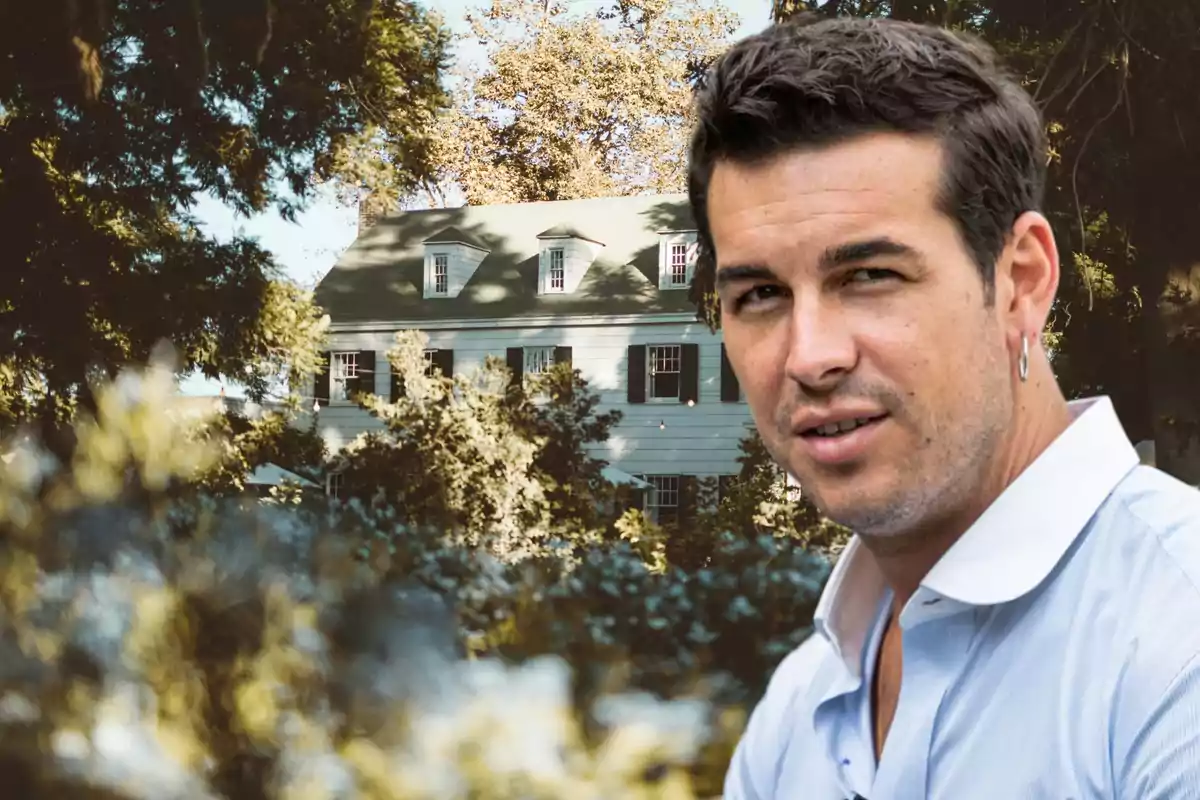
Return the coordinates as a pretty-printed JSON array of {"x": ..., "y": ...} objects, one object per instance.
[{"x": 815, "y": 81}]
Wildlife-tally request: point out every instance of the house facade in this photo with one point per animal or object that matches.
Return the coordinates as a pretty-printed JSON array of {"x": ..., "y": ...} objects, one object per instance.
[{"x": 601, "y": 283}]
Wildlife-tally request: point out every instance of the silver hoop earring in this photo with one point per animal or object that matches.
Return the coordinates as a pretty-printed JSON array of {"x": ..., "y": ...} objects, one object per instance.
[{"x": 1023, "y": 360}]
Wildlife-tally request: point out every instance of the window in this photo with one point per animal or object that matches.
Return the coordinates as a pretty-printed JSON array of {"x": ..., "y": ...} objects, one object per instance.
[
  {"x": 538, "y": 360},
  {"x": 662, "y": 501},
  {"x": 791, "y": 487},
  {"x": 336, "y": 483},
  {"x": 441, "y": 273},
  {"x": 664, "y": 363},
  {"x": 556, "y": 271},
  {"x": 343, "y": 375},
  {"x": 679, "y": 264},
  {"x": 430, "y": 364},
  {"x": 676, "y": 258}
]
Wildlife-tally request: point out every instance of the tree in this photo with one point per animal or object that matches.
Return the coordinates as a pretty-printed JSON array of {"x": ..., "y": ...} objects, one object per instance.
[
  {"x": 574, "y": 106},
  {"x": 785, "y": 9},
  {"x": 484, "y": 457},
  {"x": 761, "y": 500},
  {"x": 558, "y": 410},
  {"x": 270, "y": 438},
  {"x": 116, "y": 114},
  {"x": 1125, "y": 204},
  {"x": 452, "y": 455},
  {"x": 758, "y": 501}
]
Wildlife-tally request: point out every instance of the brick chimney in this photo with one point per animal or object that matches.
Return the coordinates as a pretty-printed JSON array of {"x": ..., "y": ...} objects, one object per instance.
[{"x": 366, "y": 218}]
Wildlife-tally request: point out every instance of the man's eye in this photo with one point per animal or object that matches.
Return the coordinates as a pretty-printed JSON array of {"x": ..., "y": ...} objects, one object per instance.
[
  {"x": 759, "y": 294},
  {"x": 870, "y": 275}
]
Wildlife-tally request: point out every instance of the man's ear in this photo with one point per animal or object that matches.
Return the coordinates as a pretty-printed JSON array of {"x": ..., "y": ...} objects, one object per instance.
[{"x": 1027, "y": 277}]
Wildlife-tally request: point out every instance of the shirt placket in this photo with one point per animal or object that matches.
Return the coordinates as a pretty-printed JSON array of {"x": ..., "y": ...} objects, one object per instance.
[
  {"x": 842, "y": 720},
  {"x": 935, "y": 647}
]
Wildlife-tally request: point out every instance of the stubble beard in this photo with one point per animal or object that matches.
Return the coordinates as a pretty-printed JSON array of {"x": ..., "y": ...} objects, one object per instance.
[{"x": 929, "y": 487}]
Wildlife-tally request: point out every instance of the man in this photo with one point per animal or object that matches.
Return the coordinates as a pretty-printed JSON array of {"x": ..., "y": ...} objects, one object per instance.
[{"x": 1018, "y": 615}]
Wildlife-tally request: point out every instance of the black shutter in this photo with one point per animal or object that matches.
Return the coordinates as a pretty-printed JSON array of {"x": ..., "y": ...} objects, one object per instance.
[
  {"x": 365, "y": 382},
  {"x": 689, "y": 373},
  {"x": 321, "y": 380},
  {"x": 636, "y": 379},
  {"x": 444, "y": 360},
  {"x": 687, "y": 499},
  {"x": 731, "y": 392},
  {"x": 562, "y": 355},
  {"x": 516, "y": 365},
  {"x": 397, "y": 388},
  {"x": 723, "y": 484}
]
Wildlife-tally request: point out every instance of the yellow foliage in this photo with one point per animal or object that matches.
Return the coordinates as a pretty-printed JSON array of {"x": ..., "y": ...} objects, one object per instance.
[{"x": 171, "y": 649}]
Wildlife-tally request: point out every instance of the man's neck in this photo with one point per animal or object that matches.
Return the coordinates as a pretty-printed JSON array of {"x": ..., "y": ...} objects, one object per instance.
[{"x": 906, "y": 559}]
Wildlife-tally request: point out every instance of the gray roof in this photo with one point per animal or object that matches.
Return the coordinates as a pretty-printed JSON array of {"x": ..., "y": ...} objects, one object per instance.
[
  {"x": 566, "y": 232},
  {"x": 382, "y": 275},
  {"x": 452, "y": 235}
]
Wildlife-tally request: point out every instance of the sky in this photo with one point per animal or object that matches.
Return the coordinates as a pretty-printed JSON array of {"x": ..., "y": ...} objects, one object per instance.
[{"x": 308, "y": 247}]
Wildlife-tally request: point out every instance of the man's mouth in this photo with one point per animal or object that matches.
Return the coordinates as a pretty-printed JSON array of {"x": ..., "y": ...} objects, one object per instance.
[
  {"x": 847, "y": 441},
  {"x": 835, "y": 429}
]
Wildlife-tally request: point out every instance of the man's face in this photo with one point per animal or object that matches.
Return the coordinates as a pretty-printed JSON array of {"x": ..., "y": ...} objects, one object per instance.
[{"x": 857, "y": 324}]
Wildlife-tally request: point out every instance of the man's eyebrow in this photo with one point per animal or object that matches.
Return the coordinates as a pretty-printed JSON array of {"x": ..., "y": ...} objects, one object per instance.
[
  {"x": 743, "y": 272},
  {"x": 833, "y": 258},
  {"x": 855, "y": 252}
]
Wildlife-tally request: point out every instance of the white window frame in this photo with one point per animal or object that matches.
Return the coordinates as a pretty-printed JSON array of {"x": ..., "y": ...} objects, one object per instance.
[
  {"x": 440, "y": 274},
  {"x": 429, "y": 363},
  {"x": 443, "y": 254},
  {"x": 343, "y": 368},
  {"x": 676, "y": 356},
  {"x": 669, "y": 241},
  {"x": 678, "y": 264},
  {"x": 336, "y": 484},
  {"x": 667, "y": 486},
  {"x": 556, "y": 272},
  {"x": 537, "y": 360}
]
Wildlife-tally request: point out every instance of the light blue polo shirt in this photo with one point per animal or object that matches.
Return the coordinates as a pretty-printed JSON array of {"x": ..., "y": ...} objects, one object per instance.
[{"x": 1053, "y": 652}]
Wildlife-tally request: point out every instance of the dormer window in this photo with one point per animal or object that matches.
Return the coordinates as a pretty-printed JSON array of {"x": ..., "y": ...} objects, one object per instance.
[
  {"x": 451, "y": 258},
  {"x": 676, "y": 259},
  {"x": 564, "y": 255}
]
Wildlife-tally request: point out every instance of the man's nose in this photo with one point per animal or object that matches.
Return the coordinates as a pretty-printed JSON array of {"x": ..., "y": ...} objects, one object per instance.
[{"x": 821, "y": 351}]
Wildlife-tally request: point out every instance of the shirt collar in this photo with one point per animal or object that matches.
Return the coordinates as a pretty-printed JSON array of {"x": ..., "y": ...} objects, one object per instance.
[{"x": 1011, "y": 548}]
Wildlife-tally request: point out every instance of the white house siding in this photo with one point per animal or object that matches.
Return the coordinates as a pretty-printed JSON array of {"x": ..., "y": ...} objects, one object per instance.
[{"x": 656, "y": 437}]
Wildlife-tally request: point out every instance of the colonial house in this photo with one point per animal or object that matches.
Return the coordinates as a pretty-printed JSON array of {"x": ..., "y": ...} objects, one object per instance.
[{"x": 601, "y": 283}]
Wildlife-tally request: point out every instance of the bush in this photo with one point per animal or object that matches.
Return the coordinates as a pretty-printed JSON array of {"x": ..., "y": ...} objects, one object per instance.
[
  {"x": 160, "y": 642},
  {"x": 758, "y": 502},
  {"x": 249, "y": 442},
  {"x": 453, "y": 455},
  {"x": 500, "y": 464}
]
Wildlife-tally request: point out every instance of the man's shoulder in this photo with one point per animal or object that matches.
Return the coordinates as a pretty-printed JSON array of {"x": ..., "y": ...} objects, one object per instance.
[
  {"x": 1150, "y": 491},
  {"x": 1154, "y": 511},
  {"x": 1149, "y": 577}
]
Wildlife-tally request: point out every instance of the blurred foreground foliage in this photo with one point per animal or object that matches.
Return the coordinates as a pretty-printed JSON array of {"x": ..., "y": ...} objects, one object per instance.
[{"x": 162, "y": 640}]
